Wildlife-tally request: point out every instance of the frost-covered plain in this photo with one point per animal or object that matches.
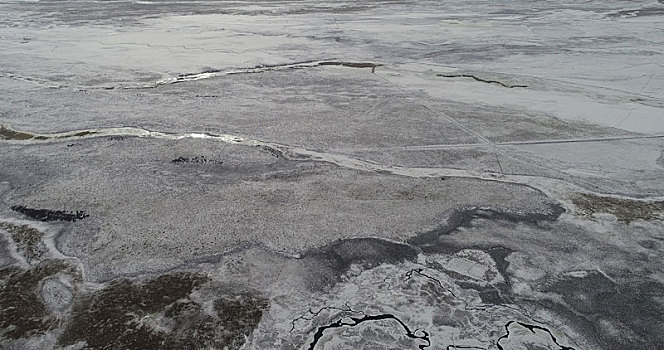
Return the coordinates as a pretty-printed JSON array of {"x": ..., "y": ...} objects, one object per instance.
[{"x": 331, "y": 175}]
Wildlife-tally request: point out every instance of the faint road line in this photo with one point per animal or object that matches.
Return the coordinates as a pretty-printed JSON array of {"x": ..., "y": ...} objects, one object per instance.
[
  {"x": 517, "y": 143},
  {"x": 593, "y": 139}
]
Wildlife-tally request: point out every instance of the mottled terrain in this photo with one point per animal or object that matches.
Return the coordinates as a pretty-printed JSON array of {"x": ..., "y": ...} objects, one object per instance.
[{"x": 331, "y": 175}]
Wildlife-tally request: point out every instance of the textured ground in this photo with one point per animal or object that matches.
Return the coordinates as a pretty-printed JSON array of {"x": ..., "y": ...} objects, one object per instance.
[{"x": 331, "y": 175}]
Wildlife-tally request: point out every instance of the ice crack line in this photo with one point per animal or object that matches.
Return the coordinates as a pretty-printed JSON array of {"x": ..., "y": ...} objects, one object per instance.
[
  {"x": 476, "y": 78},
  {"x": 265, "y": 68},
  {"x": 210, "y": 73}
]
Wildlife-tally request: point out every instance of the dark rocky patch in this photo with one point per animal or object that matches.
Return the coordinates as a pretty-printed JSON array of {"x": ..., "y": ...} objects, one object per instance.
[
  {"x": 462, "y": 217},
  {"x": 50, "y": 215},
  {"x": 649, "y": 244},
  {"x": 499, "y": 293},
  {"x": 194, "y": 328},
  {"x": 325, "y": 265},
  {"x": 196, "y": 160},
  {"x": 488, "y": 294},
  {"x": 82, "y": 133},
  {"x": 499, "y": 255},
  {"x": 111, "y": 318},
  {"x": 238, "y": 315},
  {"x": 616, "y": 316},
  {"x": 273, "y": 151},
  {"x": 27, "y": 239},
  {"x": 496, "y": 294},
  {"x": 23, "y": 313},
  {"x": 626, "y": 210},
  {"x": 6, "y": 258},
  {"x": 8, "y": 134},
  {"x": 159, "y": 314}
]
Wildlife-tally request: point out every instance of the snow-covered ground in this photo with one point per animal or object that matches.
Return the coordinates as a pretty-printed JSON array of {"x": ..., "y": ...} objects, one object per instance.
[{"x": 331, "y": 175}]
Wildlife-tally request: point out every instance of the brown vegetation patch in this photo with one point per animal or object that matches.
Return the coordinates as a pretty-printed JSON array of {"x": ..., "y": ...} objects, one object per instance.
[{"x": 626, "y": 210}]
